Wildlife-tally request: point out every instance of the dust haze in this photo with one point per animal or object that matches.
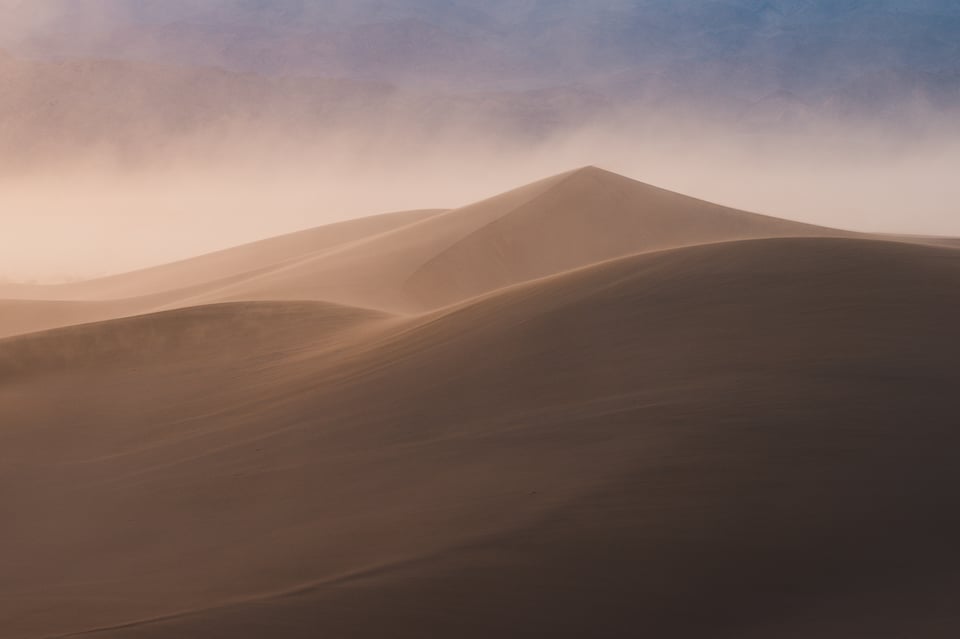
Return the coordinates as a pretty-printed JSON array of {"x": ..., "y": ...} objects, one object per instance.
[
  {"x": 519, "y": 391},
  {"x": 107, "y": 167},
  {"x": 92, "y": 217}
]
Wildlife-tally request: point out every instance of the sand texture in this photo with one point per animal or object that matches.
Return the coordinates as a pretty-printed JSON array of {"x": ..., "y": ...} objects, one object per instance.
[{"x": 584, "y": 408}]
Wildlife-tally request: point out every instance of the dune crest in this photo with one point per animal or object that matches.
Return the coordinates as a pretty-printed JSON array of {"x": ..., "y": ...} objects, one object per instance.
[{"x": 420, "y": 260}]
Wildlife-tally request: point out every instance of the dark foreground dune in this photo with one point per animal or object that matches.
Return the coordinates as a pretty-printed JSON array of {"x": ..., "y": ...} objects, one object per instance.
[{"x": 743, "y": 438}]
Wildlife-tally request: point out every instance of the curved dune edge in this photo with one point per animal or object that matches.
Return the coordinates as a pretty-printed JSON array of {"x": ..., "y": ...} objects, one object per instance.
[
  {"x": 238, "y": 330},
  {"x": 741, "y": 439},
  {"x": 418, "y": 261}
]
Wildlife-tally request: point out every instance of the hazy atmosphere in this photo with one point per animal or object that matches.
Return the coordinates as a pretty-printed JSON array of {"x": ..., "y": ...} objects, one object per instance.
[
  {"x": 139, "y": 132},
  {"x": 462, "y": 319}
]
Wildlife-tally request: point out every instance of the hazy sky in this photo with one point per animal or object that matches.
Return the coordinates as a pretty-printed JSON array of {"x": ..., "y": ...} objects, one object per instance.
[
  {"x": 84, "y": 218},
  {"x": 85, "y": 222}
]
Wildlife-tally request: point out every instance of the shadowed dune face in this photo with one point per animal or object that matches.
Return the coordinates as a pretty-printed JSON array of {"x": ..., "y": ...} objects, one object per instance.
[
  {"x": 590, "y": 216},
  {"x": 197, "y": 333},
  {"x": 711, "y": 423}
]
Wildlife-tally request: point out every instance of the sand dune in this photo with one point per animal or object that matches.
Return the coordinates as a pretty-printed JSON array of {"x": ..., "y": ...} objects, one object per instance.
[
  {"x": 551, "y": 226},
  {"x": 724, "y": 433},
  {"x": 420, "y": 260},
  {"x": 195, "y": 333},
  {"x": 36, "y": 308},
  {"x": 230, "y": 263}
]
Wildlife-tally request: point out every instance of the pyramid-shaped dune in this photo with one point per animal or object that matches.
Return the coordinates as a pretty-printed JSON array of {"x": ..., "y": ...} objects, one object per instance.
[
  {"x": 578, "y": 407},
  {"x": 419, "y": 260},
  {"x": 561, "y": 223}
]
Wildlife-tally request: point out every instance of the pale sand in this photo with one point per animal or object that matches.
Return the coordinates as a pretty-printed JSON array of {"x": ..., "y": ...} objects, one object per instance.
[{"x": 415, "y": 261}]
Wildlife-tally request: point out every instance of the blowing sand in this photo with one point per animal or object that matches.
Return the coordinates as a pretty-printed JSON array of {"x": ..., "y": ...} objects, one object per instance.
[{"x": 584, "y": 408}]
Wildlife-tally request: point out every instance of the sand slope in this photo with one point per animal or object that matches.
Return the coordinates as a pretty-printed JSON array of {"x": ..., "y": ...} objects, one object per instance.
[
  {"x": 35, "y": 308},
  {"x": 231, "y": 263},
  {"x": 750, "y": 438},
  {"x": 421, "y": 260},
  {"x": 563, "y": 222}
]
